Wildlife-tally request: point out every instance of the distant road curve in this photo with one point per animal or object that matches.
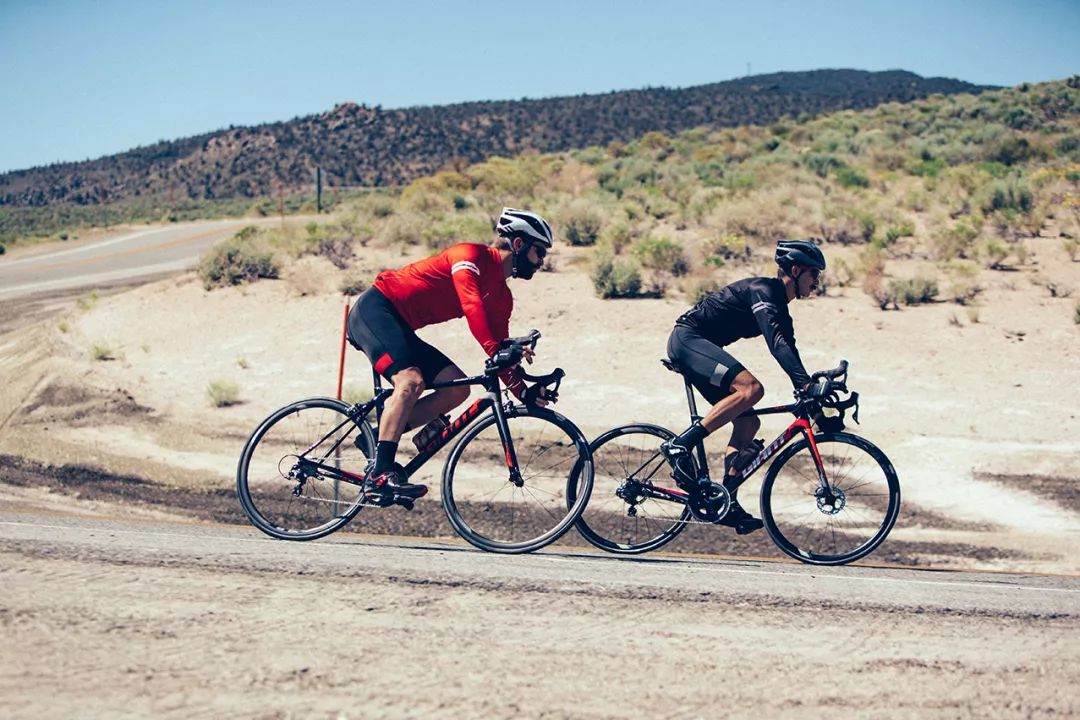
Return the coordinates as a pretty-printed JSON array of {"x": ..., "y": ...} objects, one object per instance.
[{"x": 127, "y": 257}]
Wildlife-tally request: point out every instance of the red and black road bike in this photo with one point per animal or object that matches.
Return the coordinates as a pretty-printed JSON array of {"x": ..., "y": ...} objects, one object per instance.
[
  {"x": 829, "y": 498},
  {"x": 504, "y": 486}
]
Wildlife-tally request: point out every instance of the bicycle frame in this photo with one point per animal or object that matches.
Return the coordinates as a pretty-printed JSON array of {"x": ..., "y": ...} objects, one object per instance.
[
  {"x": 799, "y": 425},
  {"x": 361, "y": 411}
]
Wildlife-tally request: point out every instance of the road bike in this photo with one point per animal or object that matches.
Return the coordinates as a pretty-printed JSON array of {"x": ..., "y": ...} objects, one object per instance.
[
  {"x": 829, "y": 498},
  {"x": 302, "y": 473}
]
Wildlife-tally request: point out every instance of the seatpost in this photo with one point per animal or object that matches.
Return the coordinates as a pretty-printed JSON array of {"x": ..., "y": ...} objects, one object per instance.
[
  {"x": 694, "y": 417},
  {"x": 377, "y": 383}
]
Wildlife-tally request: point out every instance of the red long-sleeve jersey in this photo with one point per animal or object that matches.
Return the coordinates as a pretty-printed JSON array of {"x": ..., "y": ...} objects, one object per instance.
[{"x": 465, "y": 280}]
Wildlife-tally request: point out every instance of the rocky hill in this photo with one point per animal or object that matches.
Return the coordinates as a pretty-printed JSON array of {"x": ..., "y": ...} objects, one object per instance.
[{"x": 358, "y": 145}]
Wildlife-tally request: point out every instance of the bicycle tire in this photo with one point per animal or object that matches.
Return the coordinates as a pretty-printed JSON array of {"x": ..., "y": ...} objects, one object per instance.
[
  {"x": 285, "y": 508},
  {"x": 802, "y": 523},
  {"x": 491, "y": 512},
  {"x": 607, "y": 522}
]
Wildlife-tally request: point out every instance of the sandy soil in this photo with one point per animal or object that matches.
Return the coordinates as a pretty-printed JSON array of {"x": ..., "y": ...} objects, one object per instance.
[
  {"x": 957, "y": 405},
  {"x": 979, "y": 419}
]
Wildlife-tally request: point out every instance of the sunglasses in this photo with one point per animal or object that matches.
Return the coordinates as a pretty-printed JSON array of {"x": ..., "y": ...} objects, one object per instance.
[{"x": 541, "y": 251}]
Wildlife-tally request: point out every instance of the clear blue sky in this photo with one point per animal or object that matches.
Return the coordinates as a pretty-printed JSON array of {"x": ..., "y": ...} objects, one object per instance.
[{"x": 85, "y": 78}]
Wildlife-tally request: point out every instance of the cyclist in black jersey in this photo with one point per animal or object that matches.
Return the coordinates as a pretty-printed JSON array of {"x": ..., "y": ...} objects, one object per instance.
[{"x": 744, "y": 309}]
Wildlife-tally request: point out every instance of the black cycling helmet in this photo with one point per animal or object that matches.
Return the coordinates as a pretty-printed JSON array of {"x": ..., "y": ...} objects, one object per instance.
[
  {"x": 798, "y": 252},
  {"x": 524, "y": 224}
]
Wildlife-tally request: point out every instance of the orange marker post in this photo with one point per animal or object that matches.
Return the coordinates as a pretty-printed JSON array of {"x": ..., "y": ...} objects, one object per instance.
[{"x": 341, "y": 363}]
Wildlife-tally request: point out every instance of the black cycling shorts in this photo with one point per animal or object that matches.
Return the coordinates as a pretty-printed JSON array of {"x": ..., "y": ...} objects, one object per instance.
[
  {"x": 376, "y": 328},
  {"x": 708, "y": 367}
]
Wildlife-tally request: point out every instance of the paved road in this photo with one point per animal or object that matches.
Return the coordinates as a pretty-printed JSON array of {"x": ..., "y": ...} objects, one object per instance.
[
  {"x": 124, "y": 258},
  {"x": 758, "y": 581},
  {"x": 110, "y": 616}
]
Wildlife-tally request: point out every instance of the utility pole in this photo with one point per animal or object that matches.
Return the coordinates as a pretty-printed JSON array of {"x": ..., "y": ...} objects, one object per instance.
[
  {"x": 281, "y": 200},
  {"x": 318, "y": 189}
]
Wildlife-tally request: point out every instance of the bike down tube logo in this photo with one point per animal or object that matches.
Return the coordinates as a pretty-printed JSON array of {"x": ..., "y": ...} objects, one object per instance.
[
  {"x": 768, "y": 451},
  {"x": 453, "y": 428}
]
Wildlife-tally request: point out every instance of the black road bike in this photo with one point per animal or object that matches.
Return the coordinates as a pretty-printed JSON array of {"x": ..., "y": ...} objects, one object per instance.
[
  {"x": 504, "y": 486},
  {"x": 829, "y": 498}
]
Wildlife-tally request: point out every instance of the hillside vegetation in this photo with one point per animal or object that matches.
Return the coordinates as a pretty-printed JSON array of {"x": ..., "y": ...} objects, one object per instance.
[
  {"x": 948, "y": 187},
  {"x": 360, "y": 146}
]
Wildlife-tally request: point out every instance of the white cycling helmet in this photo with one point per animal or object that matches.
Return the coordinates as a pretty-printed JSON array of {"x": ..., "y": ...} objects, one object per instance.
[{"x": 524, "y": 224}]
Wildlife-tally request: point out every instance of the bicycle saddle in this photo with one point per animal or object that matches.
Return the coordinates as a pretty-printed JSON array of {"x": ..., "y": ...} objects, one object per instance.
[{"x": 671, "y": 365}]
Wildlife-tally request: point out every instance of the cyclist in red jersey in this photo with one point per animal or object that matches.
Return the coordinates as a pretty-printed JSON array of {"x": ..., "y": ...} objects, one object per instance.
[{"x": 465, "y": 280}]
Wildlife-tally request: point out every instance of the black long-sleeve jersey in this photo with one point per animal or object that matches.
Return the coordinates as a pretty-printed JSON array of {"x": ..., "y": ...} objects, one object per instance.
[{"x": 745, "y": 309}]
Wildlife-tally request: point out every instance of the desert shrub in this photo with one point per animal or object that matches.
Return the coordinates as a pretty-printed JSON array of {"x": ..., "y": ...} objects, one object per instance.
[
  {"x": 615, "y": 277},
  {"x": 726, "y": 247},
  {"x": 963, "y": 285},
  {"x": 995, "y": 253},
  {"x": 927, "y": 167},
  {"x": 840, "y": 273},
  {"x": 655, "y": 140},
  {"x": 820, "y": 164},
  {"x": 899, "y": 231},
  {"x": 1071, "y": 246},
  {"x": 950, "y": 242},
  {"x": 353, "y": 285},
  {"x": 582, "y": 224},
  {"x": 223, "y": 393},
  {"x": 330, "y": 243},
  {"x": 238, "y": 260},
  {"x": 102, "y": 352},
  {"x": 867, "y": 225},
  {"x": 662, "y": 254},
  {"x": 1011, "y": 193},
  {"x": 914, "y": 291},
  {"x": 3, "y": 249},
  {"x": 616, "y": 236},
  {"x": 871, "y": 267},
  {"x": 400, "y": 230},
  {"x": 1076, "y": 315},
  {"x": 456, "y": 229},
  {"x": 851, "y": 177}
]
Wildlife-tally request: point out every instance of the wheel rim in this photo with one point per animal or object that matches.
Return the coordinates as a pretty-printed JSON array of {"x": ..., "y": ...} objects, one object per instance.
[
  {"x": 618, "y": 516},
  {"x": 496, "y": 511},
  {"x": 830, "y": 527},
  {"x": 283, "y": 491}
]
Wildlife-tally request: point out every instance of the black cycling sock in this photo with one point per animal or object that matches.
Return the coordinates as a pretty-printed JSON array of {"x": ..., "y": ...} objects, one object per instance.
[
  {"x": 385, "y": 451},
  {"x": 691, "y": 436}
]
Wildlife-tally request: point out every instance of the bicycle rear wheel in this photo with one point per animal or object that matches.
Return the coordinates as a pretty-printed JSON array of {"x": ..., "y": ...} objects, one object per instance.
[
  {"x": 833, "y": 528},
  {"x": 293, "y": 479},
  {"x": 493, "y": 512},
  {"x": 621, "y": 517}
]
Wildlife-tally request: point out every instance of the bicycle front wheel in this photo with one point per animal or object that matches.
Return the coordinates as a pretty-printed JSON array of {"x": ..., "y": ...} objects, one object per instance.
[
  {"x": 835, "y": 526},
  {"x": 622, "y": 517},
  {"x": 498, "y": 512},
  {"x": 300, "y": 473}
]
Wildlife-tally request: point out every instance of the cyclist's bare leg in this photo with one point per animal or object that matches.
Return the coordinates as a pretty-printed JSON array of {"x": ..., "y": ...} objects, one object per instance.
[
  {"x": 746, "y": 392},
  {"x": 408, "y": 385},
  {"x": 440, "y": 401}
]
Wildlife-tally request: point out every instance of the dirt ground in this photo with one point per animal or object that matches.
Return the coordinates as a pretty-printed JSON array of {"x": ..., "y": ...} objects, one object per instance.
[
  {"x": 116, "y": 617},
  {"x": 972, "y": 407},
  {"x": 979, "y": 419}
]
